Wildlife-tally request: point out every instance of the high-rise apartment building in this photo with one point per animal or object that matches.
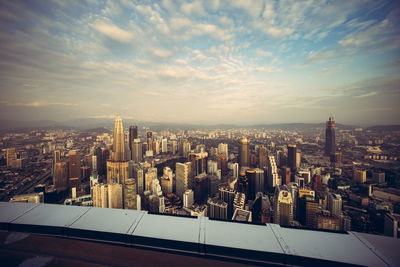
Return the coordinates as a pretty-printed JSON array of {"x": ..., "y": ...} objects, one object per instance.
[
  {"x": 182, "y": 177},
  {"x": 244, "y": 152},
  {"x": 201, "y": 186},
  {"x": 100, "y": 195},
  {"x": 11, "y": 156},
  {"x": 188, "y": 198},
  {"x": 217, "y": 209},
  {"x": 330, "y": 141}
]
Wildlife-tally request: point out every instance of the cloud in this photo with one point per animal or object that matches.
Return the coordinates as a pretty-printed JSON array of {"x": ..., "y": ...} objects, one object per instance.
[
  {"x": 112, "y": 31},
  {"x": 37, "y": 104},
  {"x": 192, "y": 9}
]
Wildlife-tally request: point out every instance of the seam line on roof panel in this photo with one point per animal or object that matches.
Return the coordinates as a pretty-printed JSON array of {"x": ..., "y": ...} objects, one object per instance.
[
  {"x": 16, "y": 218},
  {"x": 372, "y": 248},
  {"x": 67, "y": 226},
  {"x": 277, "y": 236},
  {"x": 135, "y": 224}
]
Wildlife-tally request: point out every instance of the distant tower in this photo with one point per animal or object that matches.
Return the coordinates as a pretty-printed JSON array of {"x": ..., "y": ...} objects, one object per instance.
[
  {"x": 119, "y": 142},
  {"x": 330, "y": 143},
  {"x": 149, "y": 141},
  {"x": 244, "y": 152}
]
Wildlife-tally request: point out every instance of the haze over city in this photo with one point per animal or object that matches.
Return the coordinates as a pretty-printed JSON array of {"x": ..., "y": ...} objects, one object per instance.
[{"x": 242, "y": 62}]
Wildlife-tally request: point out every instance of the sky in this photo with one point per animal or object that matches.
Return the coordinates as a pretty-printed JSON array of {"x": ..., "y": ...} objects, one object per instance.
[{"x": 207, "y": 62}]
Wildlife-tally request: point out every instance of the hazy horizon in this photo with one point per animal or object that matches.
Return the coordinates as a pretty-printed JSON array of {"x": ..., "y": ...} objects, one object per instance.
[{"x": 201, "y": 62}]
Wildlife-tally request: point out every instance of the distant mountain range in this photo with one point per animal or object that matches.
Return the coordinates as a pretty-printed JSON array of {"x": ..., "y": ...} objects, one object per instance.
[{"x": 92, "y": 123}]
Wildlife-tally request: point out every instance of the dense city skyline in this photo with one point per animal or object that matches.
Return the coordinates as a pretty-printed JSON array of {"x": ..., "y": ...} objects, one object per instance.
[{"x": 240, "y": 62}]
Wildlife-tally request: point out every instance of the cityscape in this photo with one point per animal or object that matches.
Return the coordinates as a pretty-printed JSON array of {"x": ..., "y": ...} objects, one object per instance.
[
  {"x": 199, "y": 132},
  {"x": 335, "y": 177}
]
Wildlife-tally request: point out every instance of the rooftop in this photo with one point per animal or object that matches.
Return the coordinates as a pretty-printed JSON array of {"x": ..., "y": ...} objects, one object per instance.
[{"x": 122, "y": 237}]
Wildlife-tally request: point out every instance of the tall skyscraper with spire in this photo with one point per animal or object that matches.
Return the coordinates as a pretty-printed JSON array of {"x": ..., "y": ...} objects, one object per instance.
[
  {"x": 117, "y": 166},
  {"x": 119, "y": 140},
  {"x": 330, "y": 141}
]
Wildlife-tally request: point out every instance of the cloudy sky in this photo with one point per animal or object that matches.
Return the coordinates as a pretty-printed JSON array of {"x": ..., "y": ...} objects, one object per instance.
[{"x": 239, "y": 62}]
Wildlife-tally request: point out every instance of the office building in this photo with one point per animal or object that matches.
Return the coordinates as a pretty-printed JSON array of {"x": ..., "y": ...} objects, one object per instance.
[
  {"x": 130, "y": 194},
  {"x": 243, "y": 183},
  {"x": 227, "y": 195},
  {"x": 137, "y": 151},
  {"x": 117, "y": 171},
  {"x": 330, "y": 141},
  {"x": 283, "y": 210},
  {"x": 235, "y": 170},
  {"x": 244, "y": 152},
  {"x": 256, "y": 182},
  {"x": 74, "y": 167},
  {"x": 292, "y": 158},
  {"x": 60, "y": 178},
  {"x": 115, "y": 196},
  {"x": 117, "y": 166},
  {"x": 201, "y": 186},
  {"x": 133, "y": 134}
]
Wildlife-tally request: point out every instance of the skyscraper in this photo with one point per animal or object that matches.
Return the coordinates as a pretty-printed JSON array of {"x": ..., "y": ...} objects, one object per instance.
[
  {"x": 118, "y": 142},
  {"x": 115, "y": 196},
  {"x": 292, "y": 156},
  {"x": 330, "y": 141},
  {"x": 217, "y": 209},
  {"x": 117, "y": 166},
  {"x": 244, "y": 152}
]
